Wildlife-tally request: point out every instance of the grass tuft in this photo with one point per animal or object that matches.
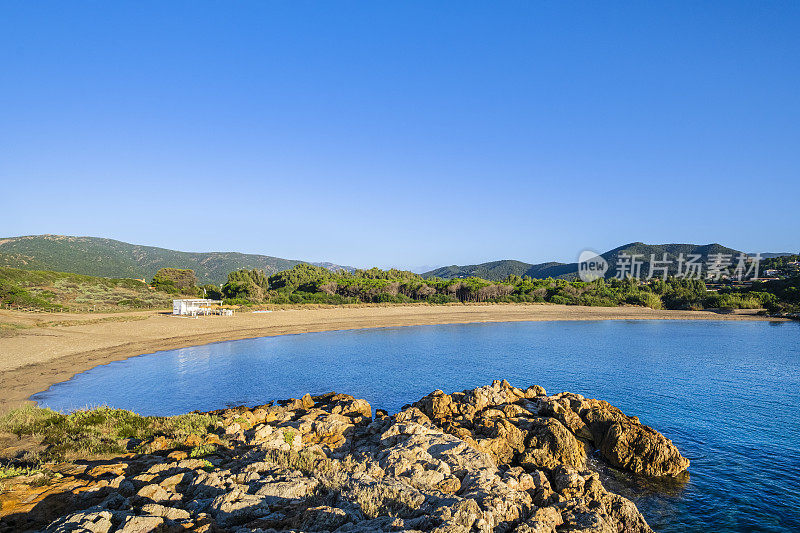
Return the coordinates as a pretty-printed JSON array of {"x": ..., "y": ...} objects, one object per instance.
[
  {"x": 202, "y": 451},
  {"x": 9, "y": 471},
  {"x": 100, "y": 431}
]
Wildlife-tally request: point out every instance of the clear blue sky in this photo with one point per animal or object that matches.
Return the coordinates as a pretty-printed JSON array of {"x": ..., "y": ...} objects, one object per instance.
[{"x": 402, "y": 133}]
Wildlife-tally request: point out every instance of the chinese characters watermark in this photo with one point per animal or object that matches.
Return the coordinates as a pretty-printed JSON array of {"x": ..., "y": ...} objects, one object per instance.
[{"x": 718, "y": 266}]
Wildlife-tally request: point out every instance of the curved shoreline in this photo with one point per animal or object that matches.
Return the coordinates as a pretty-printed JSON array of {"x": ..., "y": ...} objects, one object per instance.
[{"x": 36, "y": 358}]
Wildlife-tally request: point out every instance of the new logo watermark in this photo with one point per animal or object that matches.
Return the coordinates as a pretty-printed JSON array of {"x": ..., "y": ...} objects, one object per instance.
[{"x": 591, "y": 266}]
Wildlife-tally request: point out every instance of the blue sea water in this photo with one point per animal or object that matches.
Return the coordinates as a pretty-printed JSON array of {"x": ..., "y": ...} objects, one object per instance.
[{"x": 726, "y": 393}]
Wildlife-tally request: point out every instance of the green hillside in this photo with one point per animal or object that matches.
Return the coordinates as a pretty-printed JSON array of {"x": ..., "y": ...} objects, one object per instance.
[
  {"x": 109, "y": 258},
  {"x": 45, "y": 290},
  {"x": 495, "y": 270},
  {"x": 499, "y": 270}
]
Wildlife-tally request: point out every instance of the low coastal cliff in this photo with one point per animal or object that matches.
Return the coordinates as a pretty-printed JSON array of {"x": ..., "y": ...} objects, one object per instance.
[{"x": 495, "y": 458}]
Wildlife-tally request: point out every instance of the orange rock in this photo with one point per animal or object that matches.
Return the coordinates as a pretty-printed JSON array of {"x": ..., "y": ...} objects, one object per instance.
[
  {"x": 112, "y": 470},
  {"x": 213, "y": 439},
  {"x": 158, "y": 443},
  {"x": 178, "y": 455},
  {"x": 21, "y": 498},
  {"x": 307, "y": 402},
  {"x": 192, "y": 441}
]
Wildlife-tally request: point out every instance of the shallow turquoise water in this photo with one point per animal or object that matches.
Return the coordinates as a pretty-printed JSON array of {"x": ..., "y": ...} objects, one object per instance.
[{"x": 727, "y": 393}]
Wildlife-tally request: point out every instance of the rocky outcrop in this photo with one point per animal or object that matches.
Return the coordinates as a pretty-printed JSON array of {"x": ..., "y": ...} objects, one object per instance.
[
  {"x": 495, "y": 458},
  {"x": 562, "y": 428},
  {"x": 622, "y": 440}
]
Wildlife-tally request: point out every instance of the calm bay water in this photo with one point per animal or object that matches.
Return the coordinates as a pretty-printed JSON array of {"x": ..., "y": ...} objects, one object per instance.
[{"x": 727, "y": 393}]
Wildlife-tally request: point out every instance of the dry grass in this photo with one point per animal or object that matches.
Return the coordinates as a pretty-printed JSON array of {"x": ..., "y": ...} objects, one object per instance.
[
  {"x": 9, "y": 329},
  {"x": 305, "y": 461},
  {"x": 63, "y": 291},
  {"x": 121, "y": 318},
  {"x": 386, "y": 500},
  {"x": 364, "y": 305},
  {"x": 97, "y": 432}
]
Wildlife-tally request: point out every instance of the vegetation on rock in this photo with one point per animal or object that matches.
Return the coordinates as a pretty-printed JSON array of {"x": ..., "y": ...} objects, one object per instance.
[{"x": 98, "y": 432}]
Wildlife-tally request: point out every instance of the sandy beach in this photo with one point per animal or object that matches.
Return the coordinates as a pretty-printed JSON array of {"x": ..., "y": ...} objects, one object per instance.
[{"x": 38, "y": 350}]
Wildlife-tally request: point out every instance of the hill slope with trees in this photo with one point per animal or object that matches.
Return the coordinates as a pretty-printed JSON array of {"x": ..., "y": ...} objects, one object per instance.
[
  {"x": 95, "y": 256},
  {"x": 498, "y": 270}
]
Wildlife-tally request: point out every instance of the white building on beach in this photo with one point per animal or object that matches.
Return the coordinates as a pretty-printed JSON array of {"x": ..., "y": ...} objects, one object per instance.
[{"x": 195, "y": 306}]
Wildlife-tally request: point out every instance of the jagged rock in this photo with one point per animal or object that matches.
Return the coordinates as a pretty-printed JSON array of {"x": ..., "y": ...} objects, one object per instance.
[
  {"x": 569, "y": 418},
  {"x": 142, "y": 524},
  {"x": 567, "y": 481},
  {"x": 625, "y": 442},
  {"x": 172, "y": 482},
  {"x": 490, "y": 419},
  {"x": 170, "y": 513},
  {"x": 287, "y": 490},
  {"x": 549, "y": 444},
  {"x": 178, "y": 455},
  {"x": 330, "y": 431},
  {"x": 285, "y": 438},
  {"x": 236, "y": 506},
  {"x": 449, "y": 485},
  {"x": 323, "y": 518},
  {"x": 344, "y": 404},
  {"x": 91, "y": 521},
  {"x": 544, "y": 520},
  {"x": 307, "y": 402},
  {"x": 534, "y": 391},
  {"x": 153, "y": 492}
]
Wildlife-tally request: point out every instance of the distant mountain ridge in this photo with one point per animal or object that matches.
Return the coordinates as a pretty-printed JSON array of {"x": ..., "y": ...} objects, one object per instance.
[
  {"x": 97, "y": 256},
  {"x": 499, "y": 270}
]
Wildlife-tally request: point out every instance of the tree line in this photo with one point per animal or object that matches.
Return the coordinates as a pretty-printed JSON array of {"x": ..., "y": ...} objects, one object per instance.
[
  {"x": 310, "y": 284},
  {"x": 306, "y": 283}
]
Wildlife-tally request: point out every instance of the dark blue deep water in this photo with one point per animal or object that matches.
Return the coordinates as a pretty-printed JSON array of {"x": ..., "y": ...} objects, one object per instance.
[{"x": 727, "y": 393}]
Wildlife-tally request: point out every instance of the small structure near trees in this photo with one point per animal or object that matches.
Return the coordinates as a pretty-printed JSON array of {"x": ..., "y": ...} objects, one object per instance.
[{"x": 196, "y": 306}]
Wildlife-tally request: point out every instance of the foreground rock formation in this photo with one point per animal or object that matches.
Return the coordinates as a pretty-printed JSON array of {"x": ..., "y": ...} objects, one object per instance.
[{"x": 496, "y": 458}]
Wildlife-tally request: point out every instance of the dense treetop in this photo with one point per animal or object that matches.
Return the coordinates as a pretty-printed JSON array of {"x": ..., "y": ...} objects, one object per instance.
[{"x": 310, "y": 284}]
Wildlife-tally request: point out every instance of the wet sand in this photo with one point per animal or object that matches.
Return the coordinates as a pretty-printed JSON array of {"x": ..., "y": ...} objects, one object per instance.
[{"x": 40, "y": 349}]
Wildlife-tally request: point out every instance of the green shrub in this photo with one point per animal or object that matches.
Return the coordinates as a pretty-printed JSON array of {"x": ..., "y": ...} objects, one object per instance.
[
  {"x": 561, "y": 300},
  {"x": 176, "y": 281},
  {"x": 9, "y": 471},
  {"x": 14, "y": 295},
  {"x": 202, "y": 451}
]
